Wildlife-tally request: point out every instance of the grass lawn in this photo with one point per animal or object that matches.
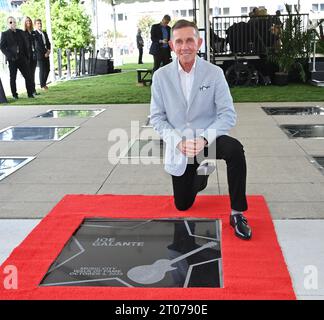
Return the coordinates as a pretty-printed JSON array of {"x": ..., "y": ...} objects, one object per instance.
[
  {"x": 112, "y": 88},
  {"x": 293, "y": 92},
  {"x": 123, "y": 88}
]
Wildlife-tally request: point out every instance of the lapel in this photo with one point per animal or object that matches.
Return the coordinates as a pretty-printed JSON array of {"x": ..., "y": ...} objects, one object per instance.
[
  {"x": 175, "y": 78},
  {"x": 198, "y": 79},
  {"x": 12, "y": 39}
]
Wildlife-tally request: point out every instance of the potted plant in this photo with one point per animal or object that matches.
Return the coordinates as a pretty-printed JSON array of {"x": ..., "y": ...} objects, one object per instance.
[{"x": 292, "y": 48}]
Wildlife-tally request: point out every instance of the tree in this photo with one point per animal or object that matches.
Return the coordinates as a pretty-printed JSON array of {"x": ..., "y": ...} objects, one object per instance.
[
  {"x": 3, "y": 21},
  {"x": 4, "y": 17},
  {"x": 70, "y": 24},
  {"x": 145, "y": 24},
  {"x": 293, "y": 51}
]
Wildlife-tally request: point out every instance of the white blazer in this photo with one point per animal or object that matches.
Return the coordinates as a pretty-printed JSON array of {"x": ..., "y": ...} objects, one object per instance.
[{"x": 210, "y": 112}]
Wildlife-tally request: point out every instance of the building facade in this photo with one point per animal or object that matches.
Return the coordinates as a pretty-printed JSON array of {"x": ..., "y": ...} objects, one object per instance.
[{"x": 123, "y": 16}]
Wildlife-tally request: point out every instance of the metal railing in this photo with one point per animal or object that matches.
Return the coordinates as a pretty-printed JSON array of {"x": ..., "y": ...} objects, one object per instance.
[
  {"x": 75, "y": 63},
  {"x": 242, "y": 35}
]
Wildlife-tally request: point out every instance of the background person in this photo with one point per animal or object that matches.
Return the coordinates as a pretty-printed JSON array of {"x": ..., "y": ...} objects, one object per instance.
[
  {"x": 32, "y": 58},
  {"x": 14, "y": 46},
  {"x": 160, "y": 36},
  {"x": 140, "y": 45},
  {"x": 43, "y": 50}
]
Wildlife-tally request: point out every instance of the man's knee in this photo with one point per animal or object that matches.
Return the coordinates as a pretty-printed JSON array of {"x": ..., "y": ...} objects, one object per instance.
[
  {"x": 233, "y": 147},
  {"x": 237, "y": 147}
]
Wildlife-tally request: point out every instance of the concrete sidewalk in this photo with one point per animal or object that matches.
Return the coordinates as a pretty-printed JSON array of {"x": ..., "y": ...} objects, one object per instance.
[{"x": 278, "y": 168}]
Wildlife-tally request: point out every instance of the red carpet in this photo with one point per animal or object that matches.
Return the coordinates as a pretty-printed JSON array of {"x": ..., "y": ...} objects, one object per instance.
[{"x": 253, "y": 269}]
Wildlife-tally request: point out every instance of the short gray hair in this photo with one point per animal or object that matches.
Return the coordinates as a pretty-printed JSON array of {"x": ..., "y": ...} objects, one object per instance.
[{"x": 185, "y": 24}]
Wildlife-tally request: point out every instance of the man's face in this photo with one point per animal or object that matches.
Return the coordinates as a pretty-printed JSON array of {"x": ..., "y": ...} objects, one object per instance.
[
  {"x": 185, "y": 44},
  {"x": 165, "y": 22},
  {"x": 12, "y": 23},
  {"x": 38, "y": 25}
]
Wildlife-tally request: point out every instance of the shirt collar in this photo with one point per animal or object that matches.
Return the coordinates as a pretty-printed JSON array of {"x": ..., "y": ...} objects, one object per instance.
[{"x": 180, "y": 69}]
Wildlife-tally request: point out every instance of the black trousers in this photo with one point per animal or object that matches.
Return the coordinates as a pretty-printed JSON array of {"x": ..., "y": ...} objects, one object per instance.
[
  {"x": 186, "y": 187},
  {"x": 162, "y": 58},
  {"x": 140, "y": 55},
  {"x": 44, "y": 69},
  {"x": 21, "y": 65},
  {"x": 32, "y": 67}
]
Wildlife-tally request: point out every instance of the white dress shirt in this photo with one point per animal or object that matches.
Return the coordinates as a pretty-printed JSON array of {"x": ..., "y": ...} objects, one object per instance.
[
  {"x": 210, "y": 109},
  {"x": 43, "y": 37},
  {"x": 186, "y": 79}
]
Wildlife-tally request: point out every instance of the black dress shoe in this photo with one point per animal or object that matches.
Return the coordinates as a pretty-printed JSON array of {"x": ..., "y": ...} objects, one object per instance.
[
  {"x": 15, "y": 97},
  {"x": 31, "y": 96},
  {"x": 242, "y": 229},
  {"x": 203, "y": 184}
]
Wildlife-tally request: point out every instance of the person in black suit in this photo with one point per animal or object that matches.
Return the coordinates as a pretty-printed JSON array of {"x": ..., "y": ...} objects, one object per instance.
[
  {"x": 160, "y": 36},
  {"x": 140, "y": 45},
  {"x": 32, "y": 58},
  {"x": 14, "y": 46},
  {"x": 43, "y": 50}
]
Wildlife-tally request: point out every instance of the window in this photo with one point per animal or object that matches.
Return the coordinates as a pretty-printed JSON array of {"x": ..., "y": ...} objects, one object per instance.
[
  {"x": 217, "y": 11},
  {"x": 315, "y": 6},
  {"x": 183, "y": 13},
  {"x": 190, "y": 13},
  {"x": 120, "y": 17},
  {"x": 226, "y": 11},
  {"x": 244, "y": 10},
  {"x": 322, "y": 6},
  {"x": 210, "y": 11},
  {"x": 175, "y": 13}
]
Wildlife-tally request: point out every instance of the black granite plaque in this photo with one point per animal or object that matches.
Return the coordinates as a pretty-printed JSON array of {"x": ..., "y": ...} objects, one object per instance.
[
  {"x": 140, "y": 253},
  {"x": 70, "y": 113},
  {"x": 296, "y": 111},
  {"x": 319, "y": 162},
  {"x": 35, "y": 133},
  {"x": 146, "y": 148},
  {"x": 304, "y": 130},
  {"x": 8, "y": 165}
]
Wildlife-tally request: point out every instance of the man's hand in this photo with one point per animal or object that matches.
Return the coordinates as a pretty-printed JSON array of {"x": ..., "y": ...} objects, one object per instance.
[{"x": 192, "y": 147}]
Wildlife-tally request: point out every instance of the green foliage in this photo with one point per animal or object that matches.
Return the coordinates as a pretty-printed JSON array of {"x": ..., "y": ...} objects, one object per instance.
[
  {"x": 122, "y": 88},
  {"x": 70, "y": 24},
  {"x": 145, "y": 24},
  {"x": 110, "y": 34},
  {"x": 34, "y": 9},
  {"x": 3, "y": 21},
  {"x": 294, "y": 44}
]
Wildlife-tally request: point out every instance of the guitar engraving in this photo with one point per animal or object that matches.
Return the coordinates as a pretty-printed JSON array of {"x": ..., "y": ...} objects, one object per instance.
[{"x": 153, "y": 273}]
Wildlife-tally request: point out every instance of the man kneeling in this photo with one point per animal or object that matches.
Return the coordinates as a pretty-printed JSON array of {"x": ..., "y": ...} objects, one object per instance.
[{"x": 192, "y": 110}]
